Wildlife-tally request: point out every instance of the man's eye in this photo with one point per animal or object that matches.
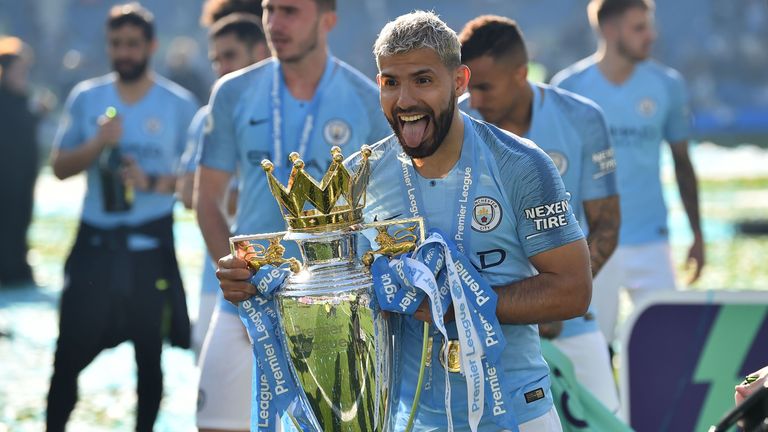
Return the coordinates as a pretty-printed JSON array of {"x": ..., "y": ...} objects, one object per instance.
[
  {"x": 423, "y": 80},
  {"x": 389, "y": 82}
]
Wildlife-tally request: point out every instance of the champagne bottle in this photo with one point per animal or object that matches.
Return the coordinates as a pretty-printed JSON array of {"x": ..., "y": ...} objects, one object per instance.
[{"x": 116, "y": 195}]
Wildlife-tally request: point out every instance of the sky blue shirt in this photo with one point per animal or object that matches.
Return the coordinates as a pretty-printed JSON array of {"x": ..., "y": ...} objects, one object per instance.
[
  {"x": 191, "y": 156},
  {"x": 154, "y": 133},
  {"x": 515, "y": 182},
  {"x": 240, "y": 134},
  {"x": 572, "y": 131},
  {"x": 650, "y": 106}
]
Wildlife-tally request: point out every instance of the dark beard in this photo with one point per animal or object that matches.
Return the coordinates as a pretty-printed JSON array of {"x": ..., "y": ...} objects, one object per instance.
[
  {"x": 129, "y": 71},
  {"x": 305, "y": 48},
  {"x": 626, "y": 53},
  {"x": 441, "y": 125}
]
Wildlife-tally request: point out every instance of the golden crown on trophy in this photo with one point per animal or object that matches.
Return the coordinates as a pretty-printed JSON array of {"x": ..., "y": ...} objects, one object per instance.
[{"x": 338, "y": 199}]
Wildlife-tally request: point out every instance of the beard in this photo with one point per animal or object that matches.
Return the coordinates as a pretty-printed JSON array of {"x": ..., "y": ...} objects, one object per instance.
[
  {"x": 635, "y": 56},
  {"x": 441, "y": 124},
  {"x": 304, "y": 47},
  {"x": 130, "y": 71}
]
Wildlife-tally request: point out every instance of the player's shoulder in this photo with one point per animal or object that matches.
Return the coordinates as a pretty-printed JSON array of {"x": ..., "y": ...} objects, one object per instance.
[
  {"x": 661, "y": 71},
  {"x": 574, "y": 72},
  {"x": 363, "y": 86},
  {"x": 504, "y": 145},
  {"x": 235, "y": 83},
  {"x": 174, "y": 91},
  {"x": 572, "y": 105},
  {"x": 93, "y": 85},
  {"x": 380, "y": 151}
]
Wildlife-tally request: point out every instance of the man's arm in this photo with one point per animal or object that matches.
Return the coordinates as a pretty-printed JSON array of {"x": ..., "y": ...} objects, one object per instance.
[
  {"x": 689, "y": 194},
  {"x": 603, "y": 219},
  {"x": 212, "y": 189},
  {"x": 562, "y": 289},
  {"x": 66, "y": 163}
]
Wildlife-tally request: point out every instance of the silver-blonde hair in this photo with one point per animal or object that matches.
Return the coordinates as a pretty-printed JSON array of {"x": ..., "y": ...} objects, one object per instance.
[{"x": 417, "y": 30}]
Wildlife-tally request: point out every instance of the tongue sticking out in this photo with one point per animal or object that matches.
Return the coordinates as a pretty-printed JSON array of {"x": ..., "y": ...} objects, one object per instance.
[{"x": 413, "y": 132}]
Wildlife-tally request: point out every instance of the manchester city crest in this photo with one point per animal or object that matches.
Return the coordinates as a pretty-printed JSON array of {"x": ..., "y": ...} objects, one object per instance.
[
  {"x": 153, "y": 126},
  {"x": 561, "y": 162},
  {"x": 337, "y": 132},
  {"x": 486, "y": 214},
  {"x": 646, "y": 107}
]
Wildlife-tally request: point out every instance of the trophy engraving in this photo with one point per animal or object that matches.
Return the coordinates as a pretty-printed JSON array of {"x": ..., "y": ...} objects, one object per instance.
[{"x": 341, "y": 348}]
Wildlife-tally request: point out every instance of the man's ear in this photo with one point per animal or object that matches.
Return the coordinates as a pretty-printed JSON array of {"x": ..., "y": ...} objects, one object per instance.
[
  {"x": 462, "y": 79},
  {"x": 329, "y": 19}
]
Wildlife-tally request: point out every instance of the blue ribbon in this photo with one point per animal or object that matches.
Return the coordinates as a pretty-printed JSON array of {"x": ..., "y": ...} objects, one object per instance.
[
  {"x": 278, "y": 392},
  {"x": 454, "y": 280}
]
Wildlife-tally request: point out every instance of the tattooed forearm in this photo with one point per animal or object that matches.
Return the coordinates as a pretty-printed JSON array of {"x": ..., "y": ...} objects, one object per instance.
[
  {"x": 603, "y": 220},
  {"x": 686, "y": 183}
]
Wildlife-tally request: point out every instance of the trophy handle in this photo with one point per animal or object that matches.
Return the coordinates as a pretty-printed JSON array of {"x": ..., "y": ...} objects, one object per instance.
[
  {"x": 402, "y": 241},
  {"x": 248, "y": 248}
]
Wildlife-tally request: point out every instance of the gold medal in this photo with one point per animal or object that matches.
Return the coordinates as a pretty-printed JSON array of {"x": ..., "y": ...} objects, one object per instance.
[{"x": 454, "y": 356}]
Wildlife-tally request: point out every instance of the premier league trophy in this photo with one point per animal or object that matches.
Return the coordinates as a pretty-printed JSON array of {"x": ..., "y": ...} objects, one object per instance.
[{"x": 341, "y": 347}]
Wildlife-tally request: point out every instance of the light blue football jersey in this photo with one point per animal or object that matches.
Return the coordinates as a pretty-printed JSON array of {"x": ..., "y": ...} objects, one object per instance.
[
  {"x": 154, "y": 134},
  {"x": 240, "y": 133},
  {"x": 572, "y": 131},
  {"x": 650, "y": 106},
  {"x": 520, "y": 209},
  {"x": 191, "y": 156}
]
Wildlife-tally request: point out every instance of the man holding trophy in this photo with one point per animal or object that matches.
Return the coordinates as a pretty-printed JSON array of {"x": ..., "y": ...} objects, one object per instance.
[
  {"x": 497, "y": 204},
  {"x": 303, "y": 99}
]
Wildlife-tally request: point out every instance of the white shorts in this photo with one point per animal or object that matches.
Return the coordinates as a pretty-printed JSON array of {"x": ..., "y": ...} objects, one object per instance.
[
  {"x": 226, "y": 368},
  {"x": 549, "y": 422},
  {"x": 641, "y": 270},
  {"x": 592, "y": 364},
  {"x": 200, "y": 327}
]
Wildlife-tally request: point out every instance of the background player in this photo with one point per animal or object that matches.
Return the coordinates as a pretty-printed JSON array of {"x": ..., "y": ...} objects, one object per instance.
[
  {"x": 644, "y": 103},
  {"x": 304, "y": 100},
  {"x": 572, "y": 131},
  {"x": 122, "y": 271}
]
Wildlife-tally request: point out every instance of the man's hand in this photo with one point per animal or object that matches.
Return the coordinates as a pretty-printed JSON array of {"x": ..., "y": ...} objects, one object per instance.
[
  {"x": 696, "y": 258},
  {"x": 133, "y": 175},
  {"x": 751, "y": 384},
  {"x": 110, "y": 130},
  {"x": 233, "y": 274},
  {"x": 424, "y": 312}
]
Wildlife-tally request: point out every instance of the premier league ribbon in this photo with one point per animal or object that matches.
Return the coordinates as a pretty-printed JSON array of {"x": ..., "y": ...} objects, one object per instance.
[
  {"x": 438, "y": 270},
  {"x": 278, "y": 391}
]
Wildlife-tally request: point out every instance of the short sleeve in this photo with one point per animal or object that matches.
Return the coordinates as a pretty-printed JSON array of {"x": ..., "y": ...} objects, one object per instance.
[
  {"x": 70, "y": 133},
  {"x": 677, "y": 126},
  {"x": 191, "y": 156},
  {"x": 598, "y": 174},
  {"x": 542, "y": 207},
  {"x": 219, "y": 146}
]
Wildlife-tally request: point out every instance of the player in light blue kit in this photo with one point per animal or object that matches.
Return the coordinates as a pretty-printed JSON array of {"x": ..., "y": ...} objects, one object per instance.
[
  {"x": 644, "y": 103},
  {"x": 572, "y": 131},
  {"x": 524, "y": 237},
  {"x": 303, "y": 99},
  {"x": 122, "y": 271},
  {"x": 236, "y": 41},
  {"x": 518, "y": 228}
]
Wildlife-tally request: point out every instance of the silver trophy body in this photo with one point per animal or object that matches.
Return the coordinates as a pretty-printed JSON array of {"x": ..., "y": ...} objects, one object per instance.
[{"x": 339, "y": 346}]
